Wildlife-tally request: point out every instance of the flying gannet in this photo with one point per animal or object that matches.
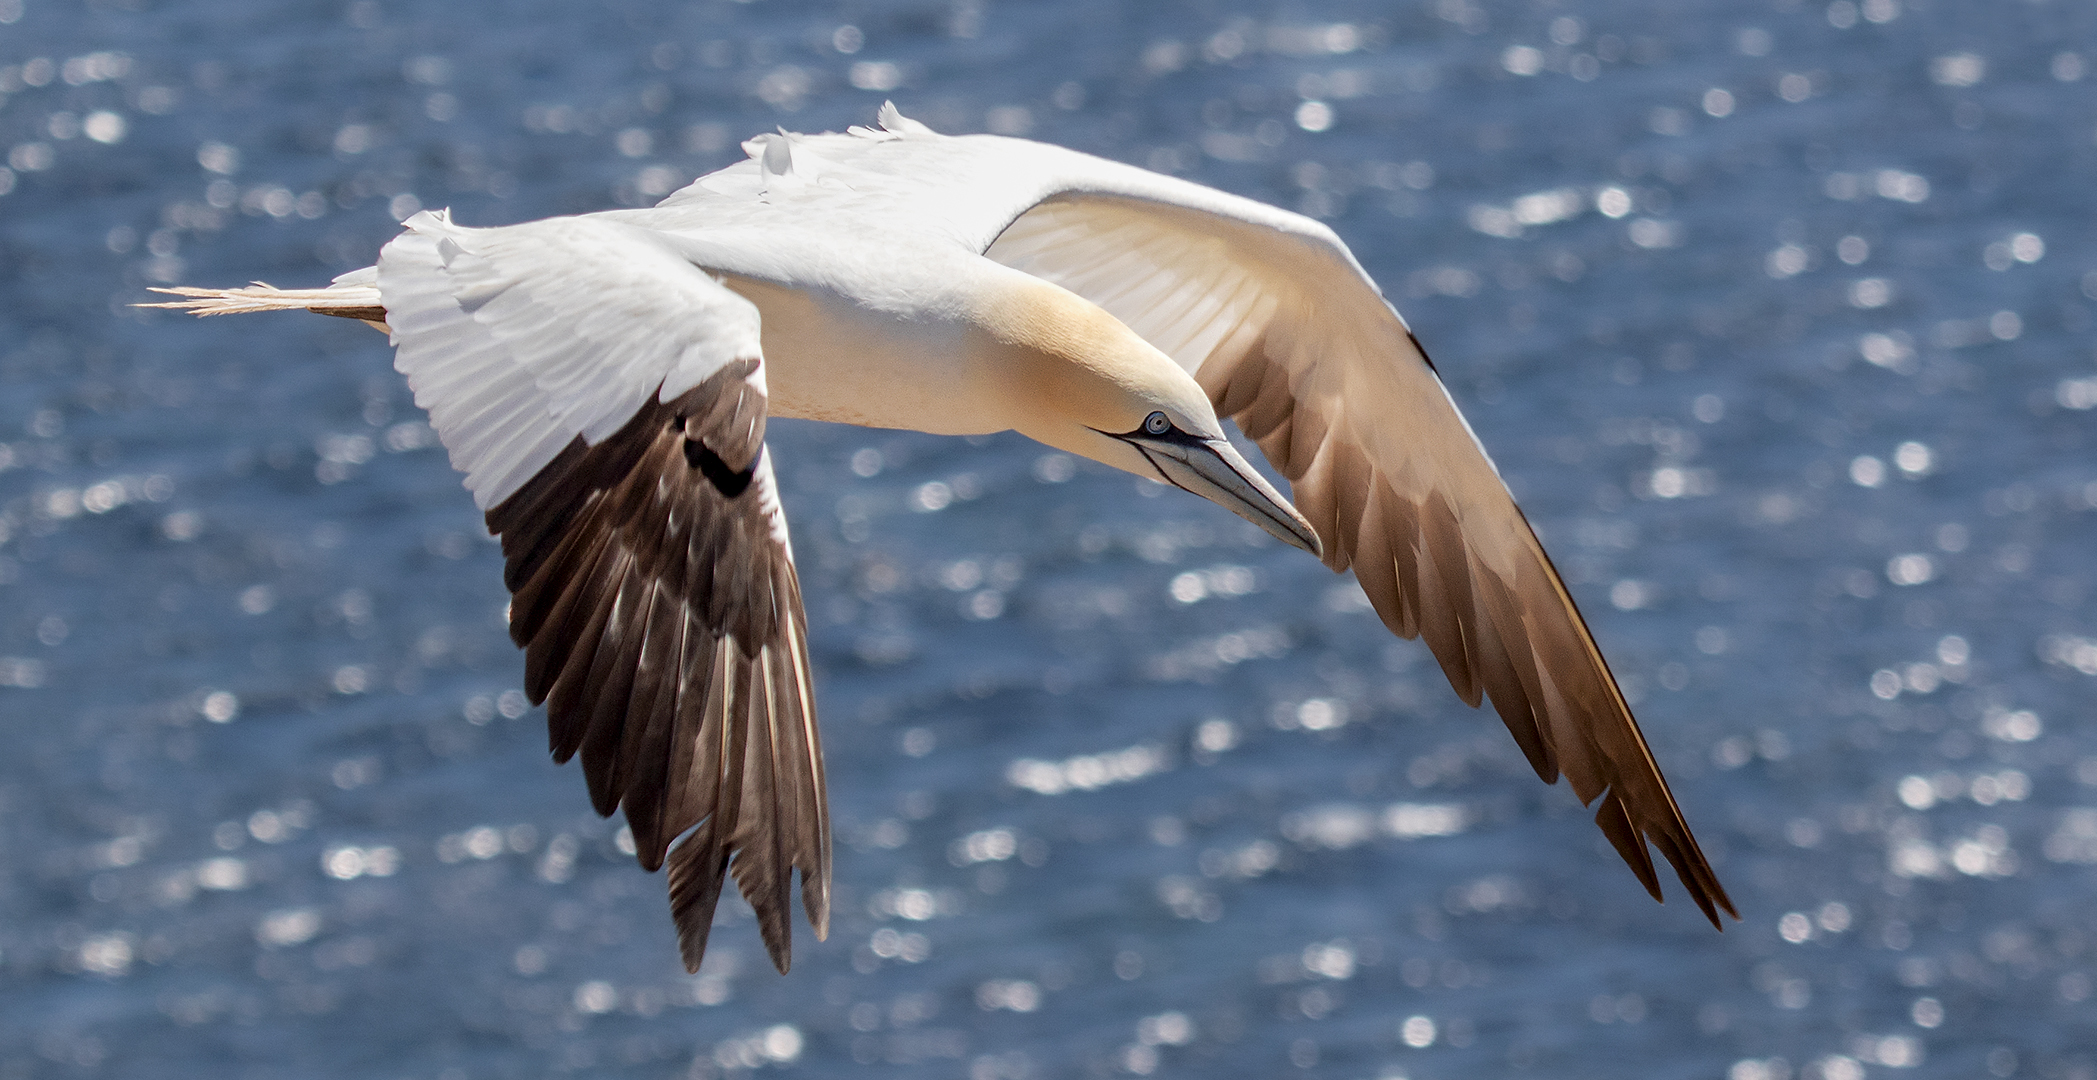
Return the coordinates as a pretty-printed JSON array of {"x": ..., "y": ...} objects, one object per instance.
[{"x": 603, "y": 381}]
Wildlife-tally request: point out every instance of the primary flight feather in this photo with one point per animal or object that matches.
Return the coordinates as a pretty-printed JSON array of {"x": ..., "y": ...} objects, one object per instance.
[{"x": 603, "y": 382}]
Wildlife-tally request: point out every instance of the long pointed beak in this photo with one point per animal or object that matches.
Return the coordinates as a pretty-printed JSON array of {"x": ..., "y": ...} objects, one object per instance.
[{"x": 1214, "y": 470}]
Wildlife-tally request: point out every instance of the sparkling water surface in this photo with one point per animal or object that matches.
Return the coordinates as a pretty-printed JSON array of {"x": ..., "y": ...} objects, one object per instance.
[{"x": 1776, "y": 315}]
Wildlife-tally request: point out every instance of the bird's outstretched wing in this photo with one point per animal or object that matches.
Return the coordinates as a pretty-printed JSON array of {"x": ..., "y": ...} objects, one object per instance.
[
  {"x": 606, "y": 401},
  {"x": 1276, "y": 320}
]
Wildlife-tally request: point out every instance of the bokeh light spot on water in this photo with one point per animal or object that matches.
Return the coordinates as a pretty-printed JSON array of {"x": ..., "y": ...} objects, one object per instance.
[
  {"x": 1522, "y": 60},
  {"x": 1913, "y": 568},
  {"x": 1088, "y": 771},
  {"x": 1958, "y": 69},
  {"x": 1314, "y": 116},
  {"x": 931, "y": 497},
  {"x": 351, "y": 679},
  {"x": 1632, "y": 595},
  {"x": 292, "y": 926},
  {"x": 2077, "y": 393},
  {"x": 1869, "y": 293},
  {"x": 223, "y": 874},
  {"x": 1914, "y": 459},
  {"x": 108, "y": 954},
  {"x": 220, "y": 706},
  {"x": 2012, "y": 725},
  {"x": 348, "y": 863}
]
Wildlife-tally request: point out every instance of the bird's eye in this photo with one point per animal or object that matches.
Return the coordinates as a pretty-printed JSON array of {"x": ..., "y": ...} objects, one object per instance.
[{"x": 1157, "y": 424}]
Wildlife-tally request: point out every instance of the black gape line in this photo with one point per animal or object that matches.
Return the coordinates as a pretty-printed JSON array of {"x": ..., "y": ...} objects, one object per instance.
[
  {"x": 725, "y": 480},
  {"x": 1162, "y": 474}
]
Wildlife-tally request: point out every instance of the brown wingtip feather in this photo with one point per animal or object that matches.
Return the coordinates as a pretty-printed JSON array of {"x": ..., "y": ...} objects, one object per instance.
[
  {"x": 1663, "y": 824},
  {"x": 1510, "y": 632},
  {"x": 817, "y": 909},
  {"x": 1615, "y": 822},
  {"x": 662, "y": 621},
  {"x": 764, "y": 893},
  {"x": 1708, "y": 894},
  {"x": 697, "y": 868}
]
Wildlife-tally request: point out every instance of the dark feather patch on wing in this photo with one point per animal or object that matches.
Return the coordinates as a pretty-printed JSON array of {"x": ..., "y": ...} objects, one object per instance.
[
  {"x": 1512, "y": 635},
  {"x": 1289, "y": 339},
  {"x": 657, "y": 602}
]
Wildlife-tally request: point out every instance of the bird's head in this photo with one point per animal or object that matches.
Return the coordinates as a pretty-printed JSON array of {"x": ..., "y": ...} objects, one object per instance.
[{"x": 1085, "y": 383}]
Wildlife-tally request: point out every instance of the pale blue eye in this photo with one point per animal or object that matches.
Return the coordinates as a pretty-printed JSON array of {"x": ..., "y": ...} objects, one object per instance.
[{"x": 1157, "y": 424}]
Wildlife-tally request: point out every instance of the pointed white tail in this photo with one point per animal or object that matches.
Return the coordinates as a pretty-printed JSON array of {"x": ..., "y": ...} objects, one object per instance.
[{"x": 351, "y": 302}]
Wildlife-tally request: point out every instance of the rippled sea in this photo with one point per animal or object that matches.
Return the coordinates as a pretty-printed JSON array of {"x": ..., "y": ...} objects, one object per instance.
[{"x": 1776, "y": 315}]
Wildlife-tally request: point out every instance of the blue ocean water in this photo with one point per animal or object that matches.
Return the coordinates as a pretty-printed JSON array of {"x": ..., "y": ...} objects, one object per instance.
[{"x": 1776, "y": 315}]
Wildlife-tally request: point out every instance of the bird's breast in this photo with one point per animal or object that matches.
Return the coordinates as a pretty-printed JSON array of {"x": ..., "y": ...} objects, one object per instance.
[{"x": 866, "y": 361}]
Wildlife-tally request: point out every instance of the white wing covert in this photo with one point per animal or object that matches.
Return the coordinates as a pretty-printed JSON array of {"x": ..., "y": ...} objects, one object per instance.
[{"x": 516, "y": 339}]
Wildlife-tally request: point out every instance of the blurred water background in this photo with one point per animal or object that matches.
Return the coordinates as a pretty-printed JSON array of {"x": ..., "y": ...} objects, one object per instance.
[{"x": 1776, "y": 315}]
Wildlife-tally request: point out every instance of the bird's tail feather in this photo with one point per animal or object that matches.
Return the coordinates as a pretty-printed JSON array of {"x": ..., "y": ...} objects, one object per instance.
[{"x": 349, "y": 302}]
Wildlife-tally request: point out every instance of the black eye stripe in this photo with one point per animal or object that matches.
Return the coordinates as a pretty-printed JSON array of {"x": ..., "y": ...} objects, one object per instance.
[{"x": 1158, "y": 428}]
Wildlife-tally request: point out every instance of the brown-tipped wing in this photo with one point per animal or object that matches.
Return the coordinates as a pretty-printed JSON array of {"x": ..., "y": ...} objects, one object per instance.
[
  {"x": 1292, "y": 341},
  {"x": 656, "y": 599},
  {"x": 606, "y": 400}
]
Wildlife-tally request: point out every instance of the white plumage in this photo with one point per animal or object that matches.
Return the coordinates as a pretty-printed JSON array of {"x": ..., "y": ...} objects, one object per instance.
[
  {"x": 603, "y": 381},
  {"x": 518, "y": 339}
]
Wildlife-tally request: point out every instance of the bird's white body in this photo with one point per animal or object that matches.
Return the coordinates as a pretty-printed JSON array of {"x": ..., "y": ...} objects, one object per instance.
[
  {"x": 934, "y": 371},
  {"x": 603, "y": 380}
]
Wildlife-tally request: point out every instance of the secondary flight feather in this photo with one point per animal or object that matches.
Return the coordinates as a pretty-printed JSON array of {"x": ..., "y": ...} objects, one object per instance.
[{"x": 603, "y": 382}]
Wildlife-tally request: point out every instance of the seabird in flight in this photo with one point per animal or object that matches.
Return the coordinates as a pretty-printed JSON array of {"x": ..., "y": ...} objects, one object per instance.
[{"x": 603, "y": 381}]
